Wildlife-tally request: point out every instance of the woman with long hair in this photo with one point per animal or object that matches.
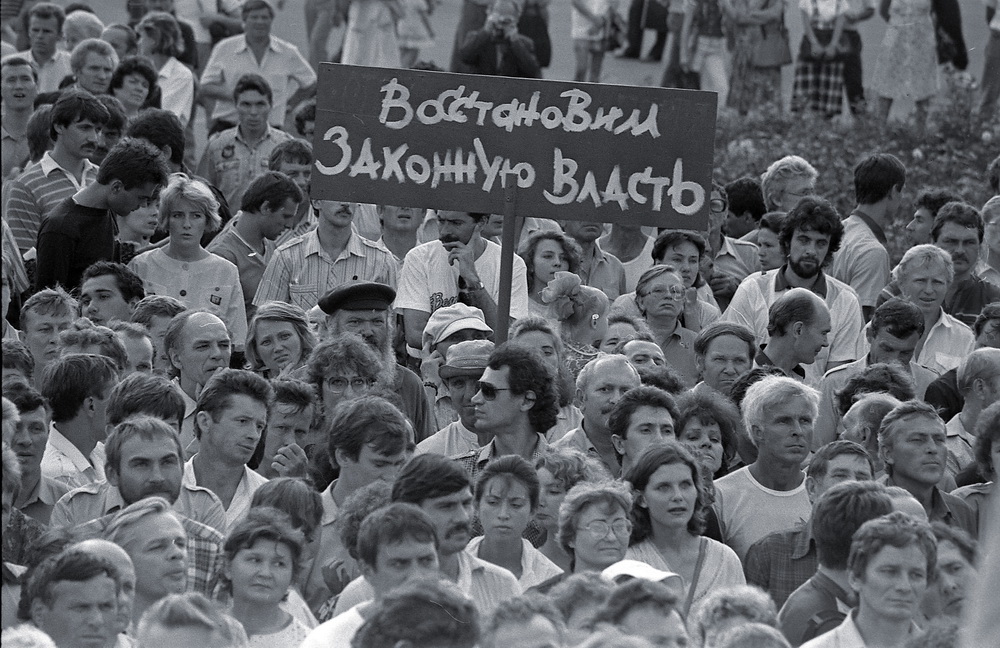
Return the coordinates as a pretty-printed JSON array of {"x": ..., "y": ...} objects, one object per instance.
[
  {"x": 160, "y": 39},
  {"x": 668, "y": 518},
  {"x": 279, "y": 340},
  {"x": 545, "y": 253}
]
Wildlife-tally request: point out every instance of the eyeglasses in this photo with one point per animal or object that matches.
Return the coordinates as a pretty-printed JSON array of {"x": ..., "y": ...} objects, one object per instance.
[
  {"x": 489, "y": 391},
  {"x": 339, "y": 385},
  {"x": 600, "y": 528},
  {"x": 718, "y": 206},
  {"x": 674, "y": 292}
]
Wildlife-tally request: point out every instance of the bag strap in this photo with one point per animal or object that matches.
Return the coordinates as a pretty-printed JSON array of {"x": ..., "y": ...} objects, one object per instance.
[{"x": 702, "y": 546}]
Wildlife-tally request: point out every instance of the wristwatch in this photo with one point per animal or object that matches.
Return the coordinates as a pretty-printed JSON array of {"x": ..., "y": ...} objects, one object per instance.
[{"x": 476, "y": 286}]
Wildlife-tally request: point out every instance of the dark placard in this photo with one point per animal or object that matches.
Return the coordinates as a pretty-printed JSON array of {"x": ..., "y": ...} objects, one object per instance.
[{"x": 574, "y": 151}]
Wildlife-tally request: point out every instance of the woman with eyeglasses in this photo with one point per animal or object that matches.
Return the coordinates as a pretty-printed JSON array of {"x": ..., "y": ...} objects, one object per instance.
[
  {"x": 668, "y": 518},
  {"x": 342, "y": 368},
  {"x": 660, "y": 296},
  {"x": 594, "y": 528},
  {"x": 279, "y": 341}
]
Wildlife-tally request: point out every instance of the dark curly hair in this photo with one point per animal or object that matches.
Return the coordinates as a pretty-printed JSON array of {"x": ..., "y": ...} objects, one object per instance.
[
  {"x": 528, "y": 372},
  {"x": 815, "y": 215},
  {"x": 570, "y": 248}
]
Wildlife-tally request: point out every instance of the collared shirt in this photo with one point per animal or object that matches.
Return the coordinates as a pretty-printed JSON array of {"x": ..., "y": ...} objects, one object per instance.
[
  {"x": 250, "y": 263},
  {"x": 486, "y": 584},
  {"x": 862, "y": 262},
  {"x": 188, "y": 439},
  {"x": 63, "y": 461},
  {"x": 968, "y": 298},
  {"x": 301, "y": 271},
  {"x": 14, "y": 151},
  {"x": 452, "y": 440},
  {"x": 846, "y": 635},
  {"x": 678, "y": 351},
  {"x": 606, "y": 273},
  {"x": 985, "y": 271},
  {"x": 176, "y": 83},
  {"x": 52, "y": 72},
  {"x": 476, "y": 460},
  {"x": 579, "y": 440},
  {"x": 536, "y": 568},
  {"x": 737, "y": 258},
  {"x": 329, "y": 550},
  {"x": 959, "y": 443},
  {"x": 40, "y": 501},
  {"x": 946, "y": 508},
  {"x": 755, "y": 295},
  {"x": 230, "y": 162},
  {"x": 945, "y": 346},
  {"x": 308, "y": 223},
  {"x": 36, "y": 192},
  {"x": 86, "y": 503},
  {"x": 782, "y": 561},
  {"x": 282, "y": 65},
  {"x": 240, "y": 504},
  {"x": 817, "y": 606},
  {"x": 762, "y": 360}
]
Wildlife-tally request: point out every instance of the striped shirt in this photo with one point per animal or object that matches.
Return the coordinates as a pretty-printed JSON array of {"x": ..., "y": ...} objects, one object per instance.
[
  {"x": 36, "y": 192},
  {"x": 301, "y": 271}
]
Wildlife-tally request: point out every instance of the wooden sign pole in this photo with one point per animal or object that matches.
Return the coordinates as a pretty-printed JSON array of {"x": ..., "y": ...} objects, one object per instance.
[{"x": 508, "y": 242}]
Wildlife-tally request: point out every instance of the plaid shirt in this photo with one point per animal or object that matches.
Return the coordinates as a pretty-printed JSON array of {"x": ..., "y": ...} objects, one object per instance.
[
  {"x": 782, "y": 561},
  {"x": 204, "y": 550}
]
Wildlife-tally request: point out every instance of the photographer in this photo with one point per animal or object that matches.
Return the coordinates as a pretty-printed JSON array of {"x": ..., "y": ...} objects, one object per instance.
[{"x": 498, "y": 48}]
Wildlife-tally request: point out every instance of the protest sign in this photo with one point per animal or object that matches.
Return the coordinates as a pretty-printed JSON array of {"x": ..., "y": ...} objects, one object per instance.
[{"x": 574, "y": 151}]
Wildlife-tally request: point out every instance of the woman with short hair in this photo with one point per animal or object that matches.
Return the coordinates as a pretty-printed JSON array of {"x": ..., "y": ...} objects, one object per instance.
[{"x": 279, "y": 341}]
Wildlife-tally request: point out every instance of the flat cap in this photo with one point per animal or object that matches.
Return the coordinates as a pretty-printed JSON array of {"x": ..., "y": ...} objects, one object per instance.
[{"x": 357, "y": 295}]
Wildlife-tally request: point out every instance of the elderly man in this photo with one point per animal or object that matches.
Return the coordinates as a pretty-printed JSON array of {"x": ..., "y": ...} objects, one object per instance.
[
  {"x": 464, "y": 364},
  {"x": 781, "y": 561},
  {"x": 924, "y": 276},
  {"x": 723, "y": 351},
  {"x": 798, "y": 326},
  {"x": 362, "y": 308},
  {"x": 979, "y": 384},
  {"x": 447, "y": 326},
  {"x": 770, "y": 493},
  {"x": 862, "y": 423},
  {"x": 810, "y": 234},
  {"x": 786, "y": 182},
  {"x": 600, "y": 385},
  {"x": 912, "y": 444},
  {"x": 943, "y": 393},
  {"x": 892, "y": 335},
  {"x": 197, "y": 344}
]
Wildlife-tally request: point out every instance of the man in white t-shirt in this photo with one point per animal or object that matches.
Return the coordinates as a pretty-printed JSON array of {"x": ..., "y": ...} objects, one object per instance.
[
  {"x": 769, "y": 494},
  {"x": 395, "y": 543},
  {"x": 460, "y": 266}
]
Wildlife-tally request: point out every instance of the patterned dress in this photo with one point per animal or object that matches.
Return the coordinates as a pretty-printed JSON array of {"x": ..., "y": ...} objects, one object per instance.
[
  {"x": 750, "y": 87},
  {"x": 819, "y": 83},
  {"x": 907, "y": 66}
]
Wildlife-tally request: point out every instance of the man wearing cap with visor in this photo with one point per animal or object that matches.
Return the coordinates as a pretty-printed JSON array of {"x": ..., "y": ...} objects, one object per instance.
[
  {"x": 362, "y": 308},
  {"x": 463, "y": 367},
  {"x": 448, "y": 326}
]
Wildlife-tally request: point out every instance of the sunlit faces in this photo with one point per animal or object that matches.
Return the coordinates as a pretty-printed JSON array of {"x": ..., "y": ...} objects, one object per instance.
[
  {"x": 609, "y": 381},
  {"x": 257, "y": 23},
  {"x": 602, "y": 535},
  {"x": 726, "y": 358},
  {"x": 94, "y": 75},
  {"x": 551, "y": 494},
  {"x": 844, "y": 467},
  {"x": 662, "y": 297},
  {"x": 41, "y": 334},
  {"x": 794, "y": 191},
  {"x": 43, "y": 34},
  {"x": 807, "y": 251},
  {"x": 148, "y": 468},
  {"x": 918, "y": 452},
  {"x": 452, "y": 519},
  {"x": 157, "y": 545},
  {"x": 78, "y": 139},
  {"x": 506, "y": 408},
  {"x": 334, "y": 213},
  {"x": 81, "y": 614},
  {"x": 186, "y": 223},
  {"x": 101, "y": 300},
  {"x": 544, "y": 344},
  {"x": 278, "y": 218},
  {"x": 30, "y": 437},
  {"x": 536, "y": 633},
  {"x": 649, "y": 622},
  {"x": 647, "y": 425},
  {"x": 134, "y": 90},
  {"x": 461, "y": 390},
  {"x": 769, "y": 250},
  {"x": 893, "y": 583},
  {"x": 918, "y": 230},
  {"x": 232, "y": 436},
  {"x": 300, "y": 174},
  {"x": 616, "y": 333},
  {"x": 288, "y": 424},
  {"x": 142, "y": 221},
  {"x": 954, "y": 576},
  {"x": 704, "y": 439},
  {"x": 886, "y": 347},
  {"x": 369, "y": 466},
  {"x": 670, "y": 495},
  {"x": 962, "y": 243},
  {"x": 278, "y": 345},
  {"x": 372, "y": 325},
  {"x": 550, "y": 258},
  {"x": 261, "y": 573},
  {"x": 643, "y": 353},
  {"x": 456, "y": 227},
  {"x": 202, "y": 348},
  {"x": 786, "y": 433},
  {"x": 925, "y": 285},
  {"x": 813, "y": 336},
  {"x": 505, "y": 508},
  {"x": 683, "y": 256},
  {"x": 397, "y": 562},
  {"x": 340, "y": 386},
  {"x": 18, "y": 87}
]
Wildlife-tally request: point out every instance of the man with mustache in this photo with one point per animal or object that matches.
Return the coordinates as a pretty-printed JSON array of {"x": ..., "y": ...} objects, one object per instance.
[
  {"x": 461, "y": 266},
  {"x": 77, "y": 120},
  {"x": 912, "y": 444},
  {"x": 959, "y": 230},
  {"x": 441, "y": 488},
  {"x": 810, "y": 234}
]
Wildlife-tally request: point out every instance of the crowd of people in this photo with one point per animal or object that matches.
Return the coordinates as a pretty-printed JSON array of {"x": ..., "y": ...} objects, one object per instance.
[{"x": 235, "y": 414}]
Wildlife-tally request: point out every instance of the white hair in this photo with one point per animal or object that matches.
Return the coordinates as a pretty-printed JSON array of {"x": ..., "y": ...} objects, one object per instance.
[
  {"x": 924, "y": 255},
  {"x": 768, "y": 392}
]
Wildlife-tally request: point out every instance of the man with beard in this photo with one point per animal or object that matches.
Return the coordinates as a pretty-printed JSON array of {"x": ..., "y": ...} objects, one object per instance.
[
  {"x": 809, "y": 236},
  {"x": 362, "y": 308},
  {"x": 863, "y": 260},
  {"x": 77, "y": 119},
  {"x": 798, "y": 323},
  {"x": 441, "y": 488},
  {"x": 460, "y": 266},
  {"x": 230, "y": 416}
]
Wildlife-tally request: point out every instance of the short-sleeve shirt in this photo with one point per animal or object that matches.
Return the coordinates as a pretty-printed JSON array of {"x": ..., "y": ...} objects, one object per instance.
[
  {"x": 283, "y": 66},
  {"x": 862, "y": 262},
  {"x": 428, "y": 282},
  {"x": 231, "y": 163},
  {"x": 249, "y": 262},
  {"x": 607, "y": 273},
  {"x": 959, "y": 442},
  {"x": 947, "y": 343},
  {"x": 755, "y": 295},
  {"x": 300, "y": 271},
  {"x": 240, "y": 505},
  {"x": 63, "y": 461}
]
